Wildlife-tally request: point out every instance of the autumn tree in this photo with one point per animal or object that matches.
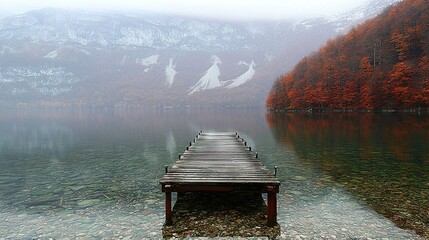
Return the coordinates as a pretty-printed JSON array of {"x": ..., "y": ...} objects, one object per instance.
[
  {"x": 381, "y": 64},
  {"x": 366, "y": 84}
]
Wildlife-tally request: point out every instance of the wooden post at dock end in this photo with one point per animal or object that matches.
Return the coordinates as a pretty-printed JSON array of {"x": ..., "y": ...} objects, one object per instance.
[
  {"x": 168, "y": 216},
  {"x": 272, "y": 206}
]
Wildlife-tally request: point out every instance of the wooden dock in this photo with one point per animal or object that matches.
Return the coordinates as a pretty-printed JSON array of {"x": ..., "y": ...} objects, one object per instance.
[{"x": 220, "y": 162}]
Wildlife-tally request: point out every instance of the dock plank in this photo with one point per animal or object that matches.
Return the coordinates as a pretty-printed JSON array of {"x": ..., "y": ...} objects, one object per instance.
[{"x": 220, "y": 161}]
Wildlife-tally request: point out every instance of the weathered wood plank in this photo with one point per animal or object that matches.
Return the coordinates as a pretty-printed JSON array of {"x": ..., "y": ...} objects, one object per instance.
[
  {"x": 218, "y": 158},
  {"x": 220, "y": 162}
]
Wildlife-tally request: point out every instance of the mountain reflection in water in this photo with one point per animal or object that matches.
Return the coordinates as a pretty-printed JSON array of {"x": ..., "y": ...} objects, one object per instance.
[{"x": 95, "y": 173}]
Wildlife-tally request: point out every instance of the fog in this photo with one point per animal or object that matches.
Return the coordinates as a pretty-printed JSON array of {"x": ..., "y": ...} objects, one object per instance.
[{"x": 221, "y": 9}]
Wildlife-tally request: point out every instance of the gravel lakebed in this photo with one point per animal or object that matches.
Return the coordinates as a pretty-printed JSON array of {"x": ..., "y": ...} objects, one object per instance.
[
  {"x": 303, "y": 213},
  {"x": 220, "y": 215}
]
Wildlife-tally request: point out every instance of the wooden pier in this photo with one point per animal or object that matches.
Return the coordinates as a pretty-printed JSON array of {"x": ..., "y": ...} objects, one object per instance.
[{"x": 220, "y": 162}]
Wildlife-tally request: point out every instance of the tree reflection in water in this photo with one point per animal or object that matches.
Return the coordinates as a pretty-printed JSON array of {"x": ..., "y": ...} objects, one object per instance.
[{"x": 382, "y": 159}]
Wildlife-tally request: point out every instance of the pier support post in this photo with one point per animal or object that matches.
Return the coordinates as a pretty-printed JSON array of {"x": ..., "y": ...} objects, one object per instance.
[
  {"x": 272, "y": 207},
  {"x": 168, "y": 216}
]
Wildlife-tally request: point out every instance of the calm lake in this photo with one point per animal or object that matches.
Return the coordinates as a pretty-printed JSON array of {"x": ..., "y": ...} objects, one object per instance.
[{"x": 96, "y": 174}]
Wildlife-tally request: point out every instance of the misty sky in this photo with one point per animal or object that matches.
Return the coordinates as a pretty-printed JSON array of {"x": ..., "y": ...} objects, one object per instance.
[{"x": 229, "y": 9}]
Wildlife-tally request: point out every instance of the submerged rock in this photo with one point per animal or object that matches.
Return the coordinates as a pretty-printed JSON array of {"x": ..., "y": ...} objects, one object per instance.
[
  {"x": 87, "y": 203},
  {"x": 77, "y": 188},
  {"x": 220, "y": 215}
]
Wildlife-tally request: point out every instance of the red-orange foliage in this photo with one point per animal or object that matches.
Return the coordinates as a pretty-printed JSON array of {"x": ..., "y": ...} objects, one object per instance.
[{"x": 381, "y": 64}]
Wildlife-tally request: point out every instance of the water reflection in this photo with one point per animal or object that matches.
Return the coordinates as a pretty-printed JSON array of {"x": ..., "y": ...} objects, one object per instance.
[
  {"x": 381, "y": 159},
  {"x": 171, "y": 144},
  {"x": 95, "y": 174},
  {"x": 68, "y": 160},
  {"x": 64, "y": 169}
]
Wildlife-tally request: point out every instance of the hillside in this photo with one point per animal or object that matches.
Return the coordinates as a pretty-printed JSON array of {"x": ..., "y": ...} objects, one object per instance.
[
  {"x": 382, "y": 64},
  {"x": 63, "y": 58}
]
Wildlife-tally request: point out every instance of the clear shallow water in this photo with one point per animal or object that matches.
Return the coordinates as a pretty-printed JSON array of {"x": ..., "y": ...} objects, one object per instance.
[
  {"x": 95, "y": 173},
  {"x": 381, "y": 159}
]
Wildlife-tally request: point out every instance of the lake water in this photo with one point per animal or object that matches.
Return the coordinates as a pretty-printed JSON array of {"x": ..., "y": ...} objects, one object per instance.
[{"x": 72, "y": 174}]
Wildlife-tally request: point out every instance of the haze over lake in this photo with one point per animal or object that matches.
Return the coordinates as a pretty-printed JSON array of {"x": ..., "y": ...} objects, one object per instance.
[
  {"x": 96, "y": 173},
  {"x": 96, "y": 98}
]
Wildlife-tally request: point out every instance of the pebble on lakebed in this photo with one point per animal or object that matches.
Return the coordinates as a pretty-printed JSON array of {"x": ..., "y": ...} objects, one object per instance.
[{"x": 212, "y": 214}]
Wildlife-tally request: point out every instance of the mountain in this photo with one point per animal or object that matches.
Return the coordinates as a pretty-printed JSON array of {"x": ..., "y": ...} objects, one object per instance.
[
  {"x": 55, "y": 57},
  {"x": 382, "y": 64}
]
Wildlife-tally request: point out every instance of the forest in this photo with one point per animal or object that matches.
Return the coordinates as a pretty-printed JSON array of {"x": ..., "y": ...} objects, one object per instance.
[{"x": 380, "y": 65}]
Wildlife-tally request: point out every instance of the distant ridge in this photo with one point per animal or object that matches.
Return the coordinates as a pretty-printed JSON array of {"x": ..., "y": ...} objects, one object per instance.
[
  {"x": 382, "y": 64},
  {"x": 60, "y": 58}
]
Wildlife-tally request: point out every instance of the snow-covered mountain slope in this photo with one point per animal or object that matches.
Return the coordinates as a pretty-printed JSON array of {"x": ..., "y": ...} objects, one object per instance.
[
  {"x": 148, "y": 61},
  {"x": 52, "y": 54},
  {"x": 50, "y": 81},
  {"x": 359, "y": 14},
  {"x": 210, "y": 79},
  {"x": 343, "y": 21},
  {"x": 170, "y": 73},
  {"x": 243, "y": 78},
  {"x": 151, "y": 60},
  {"x": 53, "y": 26},
  {"x": 6, "y": 49}
]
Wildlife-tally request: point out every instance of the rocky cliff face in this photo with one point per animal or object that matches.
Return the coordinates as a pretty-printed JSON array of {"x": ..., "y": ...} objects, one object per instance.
[{"x": 54, "y": 56}]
